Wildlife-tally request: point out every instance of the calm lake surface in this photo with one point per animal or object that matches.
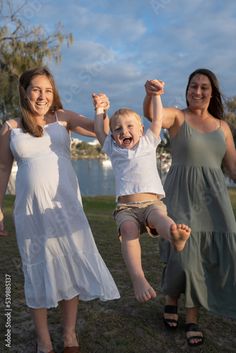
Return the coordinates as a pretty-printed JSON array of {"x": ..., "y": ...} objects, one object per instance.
[{"x": 95, "y": 177}]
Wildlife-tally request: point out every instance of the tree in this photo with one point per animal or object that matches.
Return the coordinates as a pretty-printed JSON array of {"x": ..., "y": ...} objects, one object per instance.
[
  {"x": 23, "y": 47},
  {"x": 230, "y": 115}
]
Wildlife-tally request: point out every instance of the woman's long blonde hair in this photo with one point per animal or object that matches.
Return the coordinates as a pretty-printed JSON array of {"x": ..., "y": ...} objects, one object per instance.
[{"x": 29, "y": 122}]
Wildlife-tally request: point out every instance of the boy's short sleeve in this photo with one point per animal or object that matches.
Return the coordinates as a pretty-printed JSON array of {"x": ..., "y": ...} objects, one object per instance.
[
  {"x": 153, "y": 139},
  {"x": 107, "y": 147}
]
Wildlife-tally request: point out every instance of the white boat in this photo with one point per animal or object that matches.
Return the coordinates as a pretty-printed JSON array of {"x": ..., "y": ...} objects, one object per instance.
[{"x": 106, "y": 163}]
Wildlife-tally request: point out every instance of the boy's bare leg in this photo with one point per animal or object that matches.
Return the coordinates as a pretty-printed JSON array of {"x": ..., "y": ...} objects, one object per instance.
[
  {"x": 131, "y": 251},
  {"x": 177, "y": 234},
  {"x": 70, "y": 308},
  {"x": 41, "y": 327}
]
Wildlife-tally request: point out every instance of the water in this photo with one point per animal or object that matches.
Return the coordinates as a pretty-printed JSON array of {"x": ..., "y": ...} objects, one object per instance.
[{"x": 95, "y": 177}]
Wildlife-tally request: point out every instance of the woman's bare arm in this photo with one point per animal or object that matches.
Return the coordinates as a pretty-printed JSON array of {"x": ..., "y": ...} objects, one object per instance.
[
  {"x": 169, "y": 114},
  {"x": 229, "y": 161},
  {"x": 6, "y": 161}
]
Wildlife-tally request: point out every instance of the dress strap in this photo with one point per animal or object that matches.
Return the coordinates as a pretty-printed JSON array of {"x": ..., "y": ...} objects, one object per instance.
[
  {"x": 56, "y": 117},
  {"x": 60, "y": 122},
  {"x": 9, "y": 125}
]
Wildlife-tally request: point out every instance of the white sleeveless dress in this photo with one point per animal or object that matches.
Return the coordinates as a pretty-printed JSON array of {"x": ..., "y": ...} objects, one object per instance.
[{"x": 59, "y": 256}]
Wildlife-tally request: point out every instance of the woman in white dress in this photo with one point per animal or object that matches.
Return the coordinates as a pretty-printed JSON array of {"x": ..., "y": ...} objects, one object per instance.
[{"x": 60, "y": 259}]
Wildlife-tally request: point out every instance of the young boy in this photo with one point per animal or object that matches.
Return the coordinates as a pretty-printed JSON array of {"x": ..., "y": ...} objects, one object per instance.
[{"x": 138, "y": 187}]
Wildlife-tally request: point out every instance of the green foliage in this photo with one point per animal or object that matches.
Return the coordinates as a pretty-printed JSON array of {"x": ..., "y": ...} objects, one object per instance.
[
  {"x": 23, "y": 47},
  {"x": 231, "y": 105},
  {"x": 231, "y": 120},
  {"x": 230, "y": 115},
  {"x": 85, "y": 150}
]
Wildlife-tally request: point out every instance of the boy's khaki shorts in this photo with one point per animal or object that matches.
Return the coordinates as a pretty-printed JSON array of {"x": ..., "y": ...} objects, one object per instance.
[{"x": 138, "y": 213}]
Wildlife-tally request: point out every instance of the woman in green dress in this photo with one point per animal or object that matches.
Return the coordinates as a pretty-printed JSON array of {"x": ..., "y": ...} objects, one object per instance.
[{"x": 197, "y": 195}]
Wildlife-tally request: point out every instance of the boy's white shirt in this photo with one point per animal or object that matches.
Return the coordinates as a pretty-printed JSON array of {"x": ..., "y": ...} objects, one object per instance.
[{"x": 135, "y": 169}]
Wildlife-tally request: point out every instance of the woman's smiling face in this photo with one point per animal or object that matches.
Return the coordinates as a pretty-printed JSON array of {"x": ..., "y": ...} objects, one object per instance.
[
  {"x": 199, "y": 92},
  {"x": 40, "y": 95}
]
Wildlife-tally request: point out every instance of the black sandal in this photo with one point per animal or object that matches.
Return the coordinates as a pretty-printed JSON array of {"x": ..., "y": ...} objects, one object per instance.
[
  {"x": 170, "y": 309},
  {"x": 192, "y": 327}
]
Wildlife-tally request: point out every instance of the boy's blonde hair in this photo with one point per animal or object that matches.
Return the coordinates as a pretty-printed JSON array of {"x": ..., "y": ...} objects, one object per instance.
[{"x": 125, "y": 112}]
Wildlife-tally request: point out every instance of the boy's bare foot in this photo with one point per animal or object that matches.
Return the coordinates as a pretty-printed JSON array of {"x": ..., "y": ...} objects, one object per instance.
[
  {"x": 179, "y": 234},
  {"x": 142, "y": 290}
]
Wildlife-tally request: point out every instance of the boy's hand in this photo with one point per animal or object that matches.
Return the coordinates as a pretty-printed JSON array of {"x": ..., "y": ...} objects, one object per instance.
[
  {"x": 154, "y": 87},
  {"x": 100, "y": 101}
]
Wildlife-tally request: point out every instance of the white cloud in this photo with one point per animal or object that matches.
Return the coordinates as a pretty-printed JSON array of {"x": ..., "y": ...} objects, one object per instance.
[{"x": 118, "y": 45}]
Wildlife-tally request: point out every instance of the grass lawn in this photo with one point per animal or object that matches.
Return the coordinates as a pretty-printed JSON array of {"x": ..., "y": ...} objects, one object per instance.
[{"x": 121, "y": 326}]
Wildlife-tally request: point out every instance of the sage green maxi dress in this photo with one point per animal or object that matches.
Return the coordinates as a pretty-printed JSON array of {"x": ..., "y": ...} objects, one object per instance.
[{"x": 196, "y": 194}]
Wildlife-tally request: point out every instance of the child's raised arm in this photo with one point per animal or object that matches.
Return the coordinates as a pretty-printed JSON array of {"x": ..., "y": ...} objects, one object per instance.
[
  {"x": 101, "y": 104},
  {"x": 157, "y": 110},
  {"x": 154, "y": 88}
]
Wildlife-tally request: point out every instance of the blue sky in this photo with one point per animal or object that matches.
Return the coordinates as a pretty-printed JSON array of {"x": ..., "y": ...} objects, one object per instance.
[{"x": 118, "y": 45}]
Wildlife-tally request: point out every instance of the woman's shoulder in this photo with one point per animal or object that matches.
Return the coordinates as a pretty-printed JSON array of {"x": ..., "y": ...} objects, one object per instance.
[
  {"x": 64, "y": 114},
  {"x": 225, "y": 127},
  {"x": 61, "y": 117},
  {"x": 66, "y": 117},
  {"x": 67, "y": 114},
  {"x": 172, "y": 117},
  {"x": 13, "y": 123},
  {"x": 179, "y": 116},
  {"x": 224, "y": 123},
  {"x": 70, "y": 118}
]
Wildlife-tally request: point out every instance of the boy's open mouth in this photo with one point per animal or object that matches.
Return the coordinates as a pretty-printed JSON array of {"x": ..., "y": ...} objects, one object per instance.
[{"x": 127, "y": 140}]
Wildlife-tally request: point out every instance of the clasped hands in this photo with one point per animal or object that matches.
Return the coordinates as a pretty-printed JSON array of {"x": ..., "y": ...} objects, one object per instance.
[
  {"x": 101, "y": 102},
  {"x": 154, "y": 87}
]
